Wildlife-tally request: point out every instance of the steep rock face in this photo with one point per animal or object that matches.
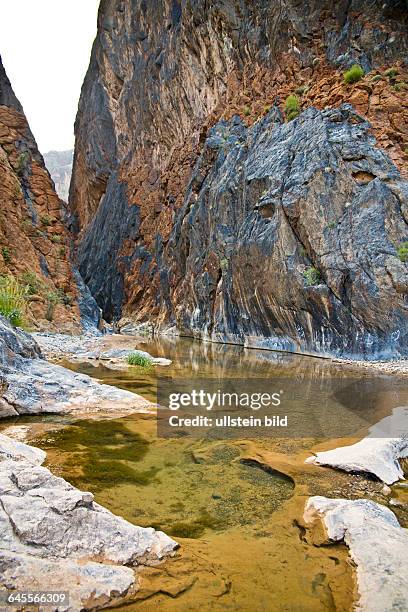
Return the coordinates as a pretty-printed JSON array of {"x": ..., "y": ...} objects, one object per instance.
[
  {"x": 32, "y": 234},
  {"x": 161, "y": 74},
  {"x": 59, "y": 165},
  {"x": 287, "y": 237}
]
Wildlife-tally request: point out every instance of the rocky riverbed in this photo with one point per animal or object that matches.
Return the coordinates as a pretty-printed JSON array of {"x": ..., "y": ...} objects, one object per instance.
[
  {"x": 55, "y": 535},
  {"x": 100, "y": 551}
]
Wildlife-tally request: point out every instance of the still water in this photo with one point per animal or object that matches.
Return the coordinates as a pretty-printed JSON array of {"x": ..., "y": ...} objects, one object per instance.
[{"x": 235, "y": 506}]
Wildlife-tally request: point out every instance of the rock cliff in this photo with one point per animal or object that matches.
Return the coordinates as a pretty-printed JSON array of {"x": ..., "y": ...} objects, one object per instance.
[
  {"x": 59, "y": 165},
  {"x": 199, "y": 206},
  {"x": 33, "y": 239}
]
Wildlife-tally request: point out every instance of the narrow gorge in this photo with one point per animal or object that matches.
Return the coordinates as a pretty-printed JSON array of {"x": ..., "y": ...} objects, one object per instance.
[
  {"x": 204, "y": 312},
  {"x": 227, "y": 222}
]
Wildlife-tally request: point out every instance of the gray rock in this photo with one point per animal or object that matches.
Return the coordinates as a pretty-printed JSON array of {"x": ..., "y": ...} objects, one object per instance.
[
  {"x": 378, "y": 546},
  {"x": 376, "y": 454},
  {"x": 52, "y": 531},
  {"x": 31, "y": 385}
]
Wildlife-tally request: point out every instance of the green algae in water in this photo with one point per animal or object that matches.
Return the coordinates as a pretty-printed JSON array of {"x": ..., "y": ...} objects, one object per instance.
[
  {"x": 100, "y": 449},
  {"x": 185, "y": 489}
]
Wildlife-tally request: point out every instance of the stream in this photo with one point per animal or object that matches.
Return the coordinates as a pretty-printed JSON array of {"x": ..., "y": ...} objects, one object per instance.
[{"x": 235, "y": 506}]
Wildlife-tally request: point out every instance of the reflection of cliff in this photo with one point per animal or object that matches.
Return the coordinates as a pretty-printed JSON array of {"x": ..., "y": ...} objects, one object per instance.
[{"x": 59, "y": 165}]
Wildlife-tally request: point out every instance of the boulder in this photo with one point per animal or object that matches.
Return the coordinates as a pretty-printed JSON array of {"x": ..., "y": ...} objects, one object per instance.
[
  {"x": 377, "y": 454},
  {"x": 377, "y": 543}
]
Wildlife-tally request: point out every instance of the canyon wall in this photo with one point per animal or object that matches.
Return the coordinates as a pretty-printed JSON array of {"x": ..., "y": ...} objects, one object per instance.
[
  {"x": 34, "y": 244},
  {"x": 198, "y": 206},
  {"x": 59, "y": 165}
]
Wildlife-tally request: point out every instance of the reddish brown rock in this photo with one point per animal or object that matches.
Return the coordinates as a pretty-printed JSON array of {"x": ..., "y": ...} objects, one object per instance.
[{"x": 32, "y": 234}]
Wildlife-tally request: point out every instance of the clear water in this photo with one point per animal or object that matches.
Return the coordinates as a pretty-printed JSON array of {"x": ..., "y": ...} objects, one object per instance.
[{"x": 234, "y": 506}]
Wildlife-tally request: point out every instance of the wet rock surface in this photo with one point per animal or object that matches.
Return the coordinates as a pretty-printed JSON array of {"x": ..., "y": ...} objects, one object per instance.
[
  {"x": 377, "y": 544},
  {"x": 54, "y": 534}
]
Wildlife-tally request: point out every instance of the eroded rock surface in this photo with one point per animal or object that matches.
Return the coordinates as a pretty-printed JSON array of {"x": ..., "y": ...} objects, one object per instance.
[
  {"x": 33, "y": 238},
  {"x": 32, "y": 385},
  {"x": 280, "y": 203},
  {"x": 377, "y": 454},
  {"x": 377, "y": 544},
  {"x": 55, "y": 535},
  {"x": 215, "y": 248}
]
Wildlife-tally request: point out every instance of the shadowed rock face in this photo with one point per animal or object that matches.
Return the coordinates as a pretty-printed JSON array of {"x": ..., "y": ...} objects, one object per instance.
[{"x": 226, "y": 250}]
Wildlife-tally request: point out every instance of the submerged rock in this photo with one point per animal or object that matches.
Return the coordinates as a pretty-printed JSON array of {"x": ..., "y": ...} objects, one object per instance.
[
  {"x": 55, "y": 533},
  {"x": 376, "y": 454},
  {"x": 378, "y": 546}
]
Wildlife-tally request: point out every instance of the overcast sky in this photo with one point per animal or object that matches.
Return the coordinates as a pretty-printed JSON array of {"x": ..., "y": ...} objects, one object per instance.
[{"x": 45, "y": 47}]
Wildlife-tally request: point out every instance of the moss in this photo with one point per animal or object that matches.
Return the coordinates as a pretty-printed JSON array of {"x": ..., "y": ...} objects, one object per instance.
[
  {"x": 99, "y": 449},
  {"x": 391, "y": 73},
  {"x": 354, "y": 74},
  {"x": 402, "y": 252},
  {"x": 312, "y": 277},
  {"x": 292, "y": 107},
  {"x": 195, "y": 528},
  {"x": 96, "y": 435}
]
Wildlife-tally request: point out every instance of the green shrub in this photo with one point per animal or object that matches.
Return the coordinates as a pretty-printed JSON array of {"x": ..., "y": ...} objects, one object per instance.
[
  {"x": 12, "y": 300},
  {"x": 46, "y": 220},
  {"x": 332, "y": 224},
  {"x": 246, "y": 111},
  {"x": 55, "y": 238},
  {"x": 137, "y": 359},
  {"x": 53, "y": 298},
  {"x": 292, "y": 107},
  {"x": 391, "y": 73},
  {"x": 5, "y": 251},
  {"x": 62, "y": 251},
  {"x": 312, "y": 277},
  {"x": 22, "y": 162},
  {"x": 402, "y": 252},
  {"x": 376, "y": 78},
  {"x": 354, "y": 74},
  {"x": 32, "y": 282},
  {"x": 301, "y": 90}
]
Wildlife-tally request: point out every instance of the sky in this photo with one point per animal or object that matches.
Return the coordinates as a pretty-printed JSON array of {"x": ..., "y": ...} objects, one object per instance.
[{"x": 45, "y": 46}]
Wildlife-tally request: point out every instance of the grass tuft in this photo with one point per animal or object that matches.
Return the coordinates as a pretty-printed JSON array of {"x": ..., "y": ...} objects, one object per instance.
[
  {"x": 354, "y": 74},
  {"x": 12, "y": 300},
  {"x": 137, "y": 359}
]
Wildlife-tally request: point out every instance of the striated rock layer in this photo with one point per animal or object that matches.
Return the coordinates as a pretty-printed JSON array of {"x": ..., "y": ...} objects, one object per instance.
[
  {"x": 33, "y": 238},
  {"x": 217, "y": 234}
]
